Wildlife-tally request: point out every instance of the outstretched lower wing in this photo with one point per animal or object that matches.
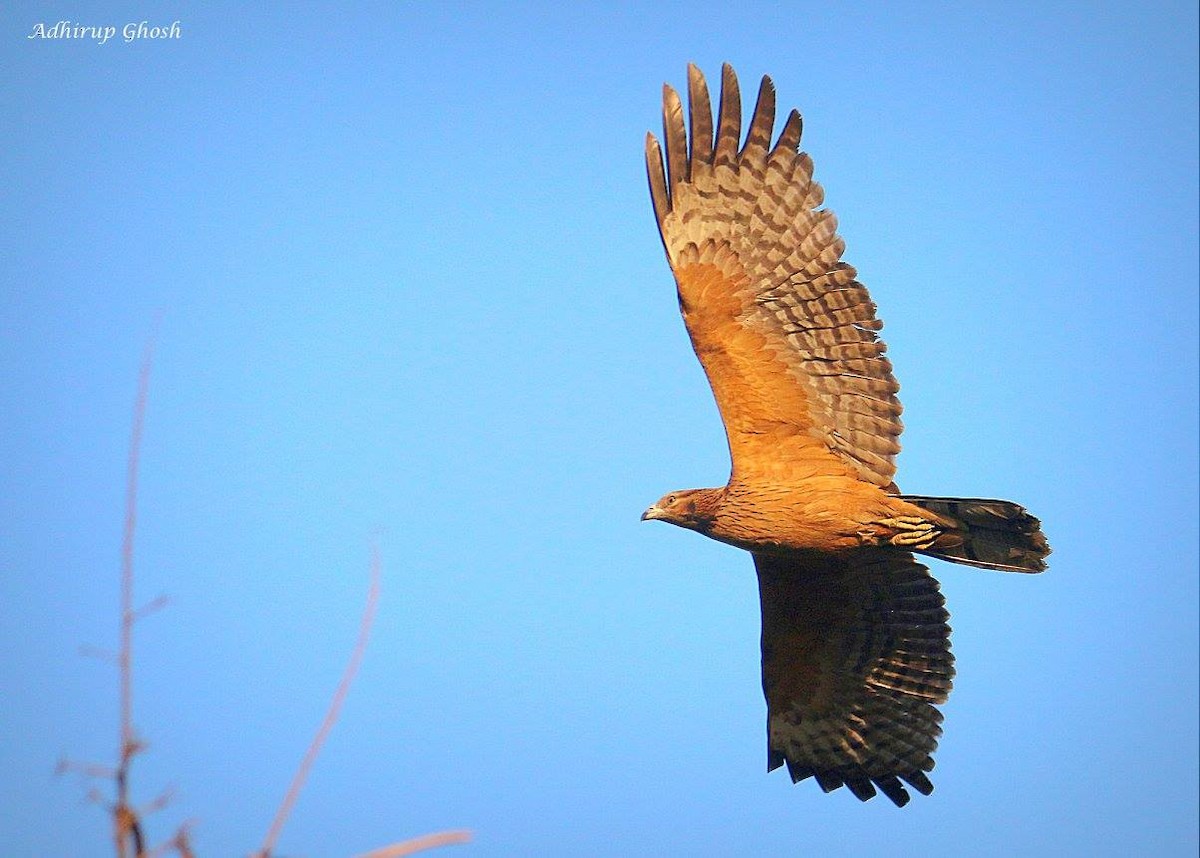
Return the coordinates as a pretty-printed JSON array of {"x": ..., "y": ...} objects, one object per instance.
[
  {"x": 785, "y": 332},
  {"x": 856, "y": 652}
]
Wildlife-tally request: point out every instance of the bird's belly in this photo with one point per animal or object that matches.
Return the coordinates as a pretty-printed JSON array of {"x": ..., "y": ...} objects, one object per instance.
[{"x": 781, "y": 521}]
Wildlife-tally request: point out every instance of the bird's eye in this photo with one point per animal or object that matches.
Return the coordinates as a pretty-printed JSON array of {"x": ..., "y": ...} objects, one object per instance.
[{"x": 671, "y": 500}]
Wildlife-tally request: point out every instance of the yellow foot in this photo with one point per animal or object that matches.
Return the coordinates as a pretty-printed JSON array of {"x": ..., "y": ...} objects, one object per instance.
[{"x": 911, "y": 531}]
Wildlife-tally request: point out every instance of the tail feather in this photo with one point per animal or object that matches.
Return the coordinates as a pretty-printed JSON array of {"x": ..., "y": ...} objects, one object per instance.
[{"x": 992, "y": 534}]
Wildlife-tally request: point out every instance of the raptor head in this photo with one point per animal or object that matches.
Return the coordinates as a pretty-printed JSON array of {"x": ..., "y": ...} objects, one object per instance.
[{"x": 690, "y": 508}]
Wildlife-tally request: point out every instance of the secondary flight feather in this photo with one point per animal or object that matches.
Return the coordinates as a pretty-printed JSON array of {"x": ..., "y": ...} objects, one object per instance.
[{"x": 855, "y": 644}]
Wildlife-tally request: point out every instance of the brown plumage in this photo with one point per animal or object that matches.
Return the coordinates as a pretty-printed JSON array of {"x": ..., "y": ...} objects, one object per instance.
[{"x": 856, "y": 649}]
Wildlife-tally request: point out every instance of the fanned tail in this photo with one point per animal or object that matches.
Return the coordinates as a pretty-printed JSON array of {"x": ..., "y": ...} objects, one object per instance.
[{"x": 992, "y": 534}]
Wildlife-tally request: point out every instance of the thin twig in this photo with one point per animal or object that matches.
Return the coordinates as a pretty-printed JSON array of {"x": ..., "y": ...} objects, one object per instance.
[
  {"x": 419, "y": 844},
  {"x": 151, "y": 607},
  {"x": 180, "y": 843},
  {"x": 125, "y": 819},
  {"x": 88, "y": 770},
  {"x": 285, "y": 808}
]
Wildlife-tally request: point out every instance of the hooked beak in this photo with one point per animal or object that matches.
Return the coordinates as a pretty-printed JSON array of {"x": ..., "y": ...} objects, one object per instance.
[{"x": 652, "y": 513}]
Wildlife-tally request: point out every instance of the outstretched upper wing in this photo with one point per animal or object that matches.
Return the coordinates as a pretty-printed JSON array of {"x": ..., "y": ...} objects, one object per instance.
[
  {"x": 785, "y": 332},
  {"x": 855, "y": 651}
]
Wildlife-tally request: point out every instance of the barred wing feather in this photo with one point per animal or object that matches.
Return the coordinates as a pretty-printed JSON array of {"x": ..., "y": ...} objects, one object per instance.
[
  {"x": 856, "y": 652},
  {"x": 785, "y": 332}
]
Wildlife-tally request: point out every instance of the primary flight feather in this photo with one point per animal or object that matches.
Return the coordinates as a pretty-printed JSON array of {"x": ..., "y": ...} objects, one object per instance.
[{"x": 855, "y": 645}]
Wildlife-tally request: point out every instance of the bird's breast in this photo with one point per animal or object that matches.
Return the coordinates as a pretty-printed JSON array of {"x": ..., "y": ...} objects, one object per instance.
[{"x": 815, "y": 515}]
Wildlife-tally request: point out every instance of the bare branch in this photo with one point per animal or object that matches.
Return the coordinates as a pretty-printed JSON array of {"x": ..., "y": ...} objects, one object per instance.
[
  {"x": 88, "y": 770},
  {"x": 125, "y": 656},
  {"x": 180, "y": 843},
  {"x": 127, "y": 829},
  {"x": 183, "y": 843},
  {"x": 163, "y": 799},
  {"x": 126, "y": 824},
  {"x": 419, "y": 844},
  {"x": 285, "y": 808},
  {"x": 150, "y": 607}
]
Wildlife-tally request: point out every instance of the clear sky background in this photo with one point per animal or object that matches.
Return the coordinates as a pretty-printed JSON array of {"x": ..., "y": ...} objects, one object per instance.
[{"x": 411, "y": 286}]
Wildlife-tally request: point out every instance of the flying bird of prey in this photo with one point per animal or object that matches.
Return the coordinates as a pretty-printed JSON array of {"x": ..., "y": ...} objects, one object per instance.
[{"x": 855, "y": 645}]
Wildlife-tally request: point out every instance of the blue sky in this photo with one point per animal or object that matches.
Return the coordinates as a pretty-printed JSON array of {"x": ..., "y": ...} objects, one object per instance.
[{"x": 411, "y": 286}]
